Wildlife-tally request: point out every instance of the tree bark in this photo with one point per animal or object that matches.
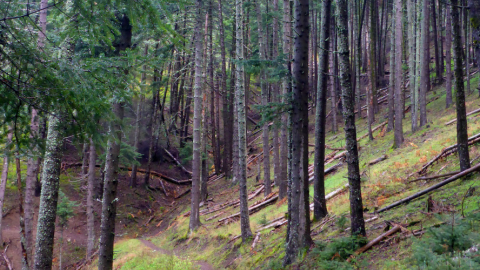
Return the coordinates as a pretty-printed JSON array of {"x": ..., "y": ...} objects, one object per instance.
[
  {"x": 197, "y": 115},
  {"x": 348, "y": 98},
  {"x": 275, "y": 98},
  {"x": 49, "y": 195},
  {"x": 372, "y": 90},
  {"x": 462, "y": 130},
  {"x": 411, "y": 28},
  {"x": 92, "y": 183},
  {"x": 319, "y": 202}
]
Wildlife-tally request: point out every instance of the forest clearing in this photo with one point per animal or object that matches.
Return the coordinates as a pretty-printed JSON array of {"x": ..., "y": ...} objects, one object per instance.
[{"x": 240, "y": 134}]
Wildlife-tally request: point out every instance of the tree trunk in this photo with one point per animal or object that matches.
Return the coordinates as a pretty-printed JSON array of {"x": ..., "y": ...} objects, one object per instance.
[
  {"x": 333, "y": 90},
  {"x": 276, "y": 98},
  {"x": 438, "y": 71},
  {"x": 467, "y": 46},
  {"x": 109, "y": 201},
  {"x": 425, "y": 64},
  {"x": 392, "y": 78},
  {"x": 3, "y": 183},
  {"x": 264, "y": 87},
  {"x": 241, "y": 124},
  {"x": 49, "y": 195},
  {"x": 197, "y": 121},
  {"x": 399, "y": 106},
  {"x": 25, "y": 258},
  {"x": 475, "y": 24},
  {"x": 110, "y": 182},
  {"x": 462, "y": 130},
  {"x": 282, "y": 191},
  {"x": 92, "y": 183},
  {"x": 411, "y": 57},
  {"x": 372, "y": 92},
  {"x": 348, "y": 98},
  {"x": 448, "y": 57},
  {"x": 319, "y": 202},
  {"x": 138, "y": 118},
  {"x": 299, "y": 140}
]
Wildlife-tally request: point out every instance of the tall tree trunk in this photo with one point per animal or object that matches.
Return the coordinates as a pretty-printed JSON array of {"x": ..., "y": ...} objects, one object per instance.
[
  {"x": 49, "y": 196},
  {"x": 109, "y": 200},
  {"x": 197, "y": 115},
  {"x": 333, "y": 88},
  {"x": 448, "y": 57},
  {"x": 3, "y": 183},
  {"x": 300, "y": 218},
  {"x": 241, "y": 124},
  {"x": 138, "y": 118},
  {"x": 90, "y": 200},
  {"x": 264, "y": 88},
  {"x": 319, "y": 202},
  {"x": 32, "y": 161},
  {"x": 227, "y": 130},
  {"x": 411, "y": 56},
  {"x": 393, "y": 82},
  {"x": 348, "y": 98},
  {"x": 425, "y": 64},
  {"x": 467, "y": 46},
  {"x": 399, "y": 105},
  {"x": 371, "y": 99},
  {"x": 474, "y": 11},
  {"x": 25, "y": 259},
  {"x": 286, "y": 44},
  {"x": 276, "y": 98},
  {"x": 438, "y": 71},
  {"x": 462, "y": 130}
]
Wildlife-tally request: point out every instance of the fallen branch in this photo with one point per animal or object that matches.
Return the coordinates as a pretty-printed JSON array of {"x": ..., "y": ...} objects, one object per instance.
[
  {"x": 215, "y": 216},
  {"x": 375, "y": 161},
  {"x": 434, "y": 176},
  {"x": 445, "y": 152},
  {"x": 377, "y": 240},
  {"x": 178, "y": 162},
  {"x": 253, "y": 209},
  {"x": 7, "y": 261},
  {"x": 468, "y": 114},
  {"x": 276, "y": 224},
  {"x": 332, "y": 194},
  {"x": 430, "y": 189},
  {"x": 255, "y": 241},
  {"x": 373, "y": 130}
]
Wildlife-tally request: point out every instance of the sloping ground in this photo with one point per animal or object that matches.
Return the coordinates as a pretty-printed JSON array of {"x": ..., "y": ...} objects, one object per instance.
[{"x": 383, "y": 183}]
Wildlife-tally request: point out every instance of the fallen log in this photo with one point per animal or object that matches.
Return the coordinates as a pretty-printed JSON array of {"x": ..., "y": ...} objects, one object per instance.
[
  {"x": 445, "y": 152},
  {"x": 373, "y": 130},
  {"x": 253, "y": 209},
  {"x": 377, "y": 240},
  {"x": 178, "y": 162},
  {"x": 7, "y": 261},
  {"x": 255, "y": 241},
  {"x": 430, "y": 189},
  {"x": 332, "y": 194},
  {"x": 214, "y": 216},
  {"x": 327, "y": 171},
  {"x": 274, "y": 224},
  {"x": 375, "y": 161},
  {"x": 468, "y": 114},
  {"x": 434, "y": 176}
]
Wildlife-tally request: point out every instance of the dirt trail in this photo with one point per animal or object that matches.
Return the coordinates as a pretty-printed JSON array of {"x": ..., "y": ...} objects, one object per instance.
[{"x": 203, "y": 265}]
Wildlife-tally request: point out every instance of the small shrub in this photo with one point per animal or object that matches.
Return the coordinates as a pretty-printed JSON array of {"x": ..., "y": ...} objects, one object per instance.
[
  {"x": 342, "y": 223},
  {"x": 263, "y": 220}
]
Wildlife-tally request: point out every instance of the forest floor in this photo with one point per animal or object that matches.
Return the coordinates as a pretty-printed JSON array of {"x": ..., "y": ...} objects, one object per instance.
[{"x": 152, "y": 228}]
